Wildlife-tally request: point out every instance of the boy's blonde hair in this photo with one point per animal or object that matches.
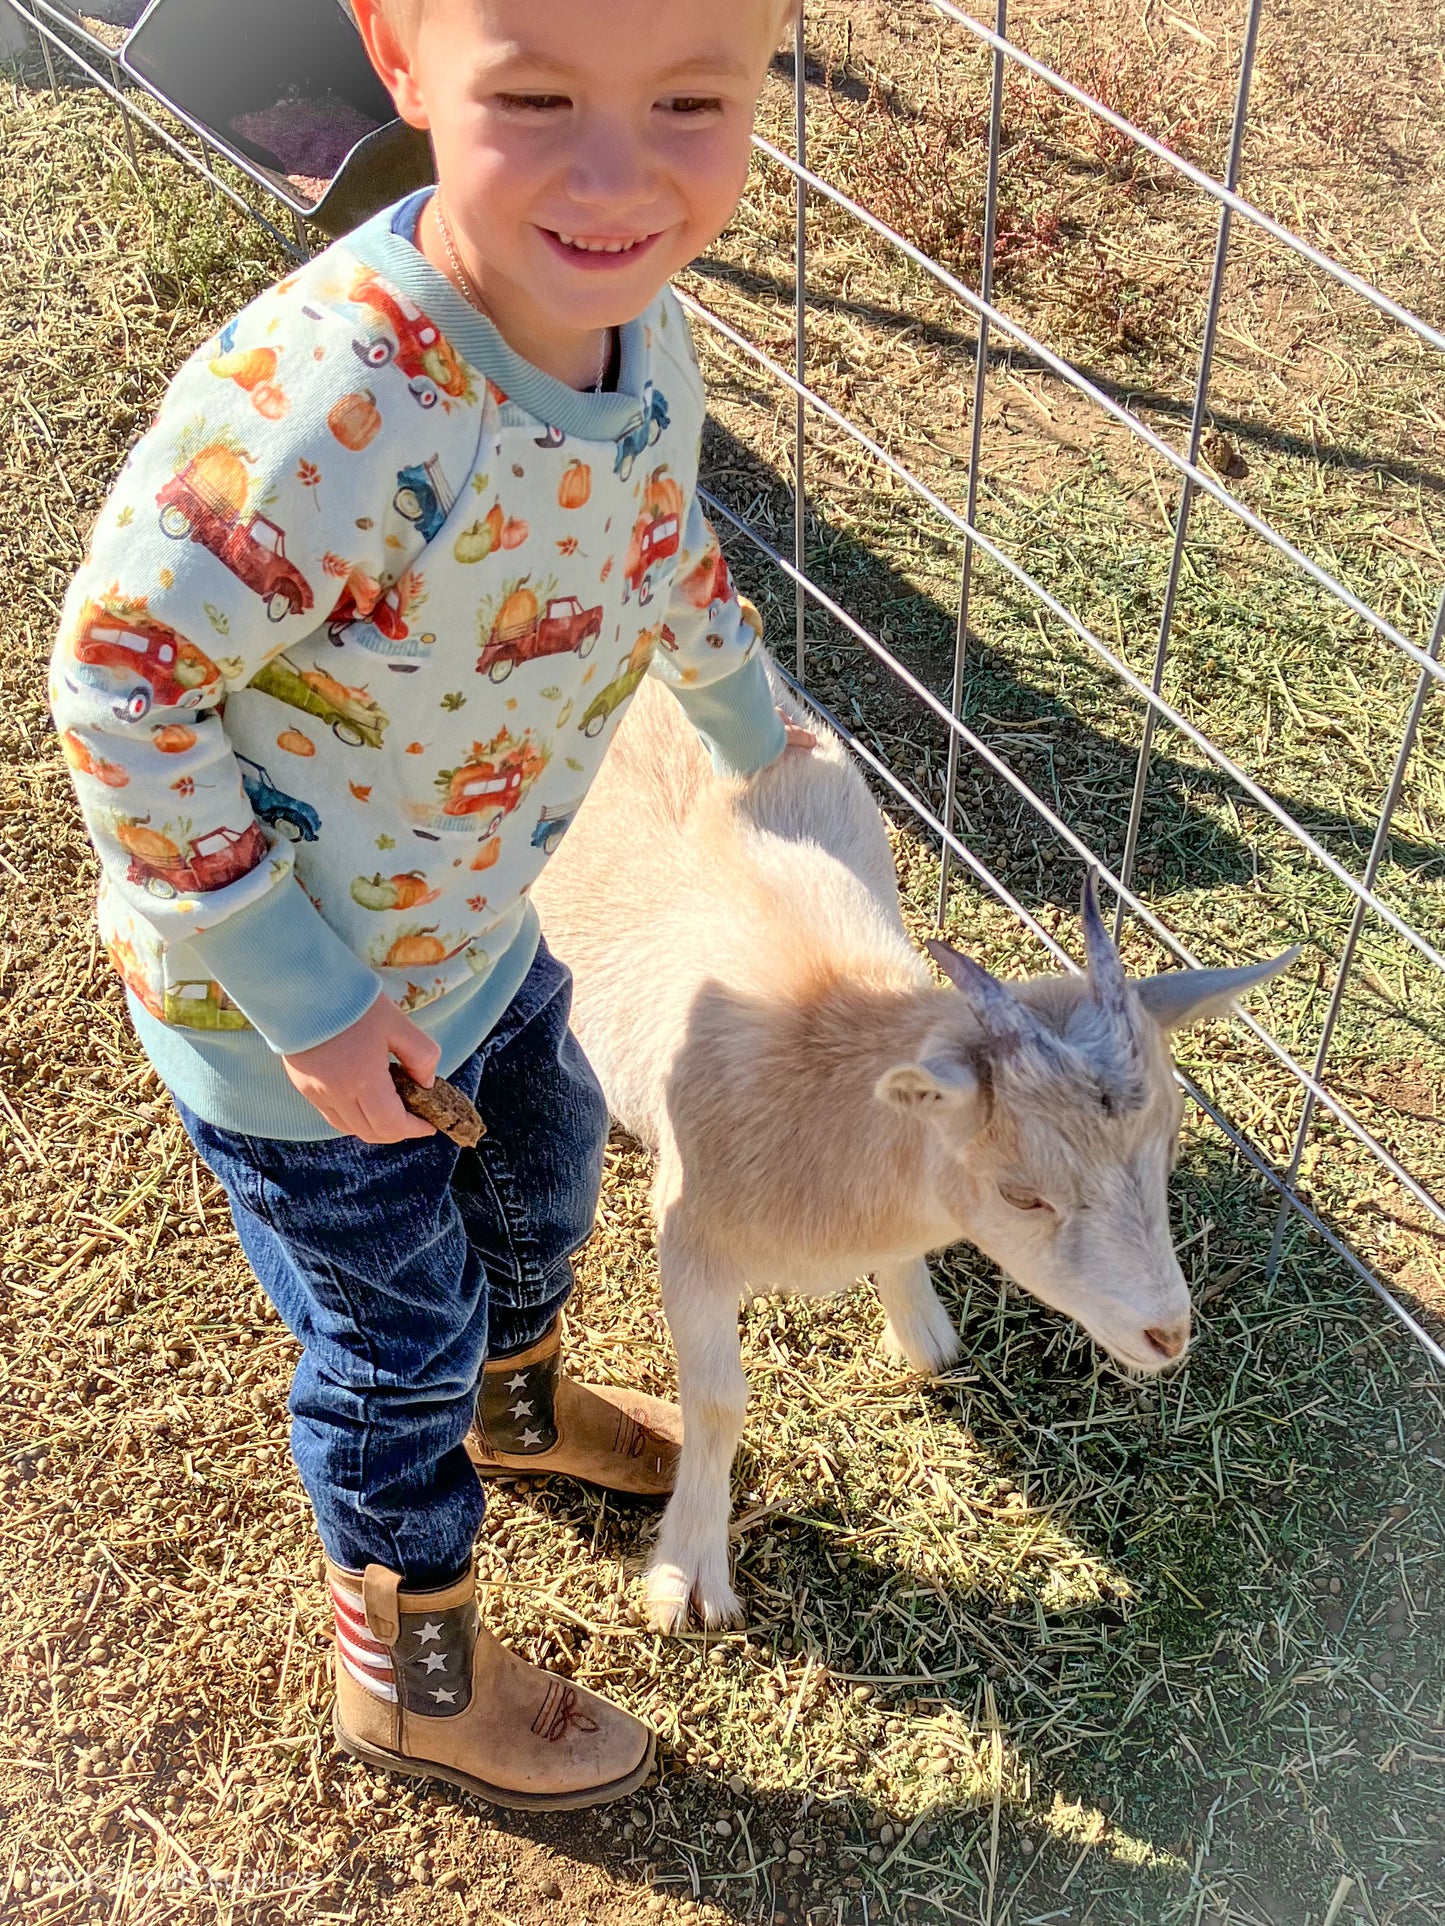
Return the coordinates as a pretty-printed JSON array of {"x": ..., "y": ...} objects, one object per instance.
[{"x": 403, "y": 13}]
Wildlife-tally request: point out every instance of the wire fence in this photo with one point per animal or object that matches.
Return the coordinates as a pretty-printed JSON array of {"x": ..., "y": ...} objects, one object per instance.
[
  {"x": 812, "y": 410},
  {"x": 1308, "y": 1073}
]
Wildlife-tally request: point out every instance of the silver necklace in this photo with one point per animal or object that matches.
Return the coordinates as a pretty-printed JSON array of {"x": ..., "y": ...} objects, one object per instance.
[{"x": 474, "y": 295}]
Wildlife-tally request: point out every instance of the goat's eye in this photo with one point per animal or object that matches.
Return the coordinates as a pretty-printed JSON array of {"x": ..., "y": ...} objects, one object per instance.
[{"x": 1023, "y": 1199}]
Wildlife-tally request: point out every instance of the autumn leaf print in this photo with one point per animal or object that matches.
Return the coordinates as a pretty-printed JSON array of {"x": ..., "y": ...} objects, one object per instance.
[
  {"x": 335, "y": 564},
  {"x": 454, "y": 701},
  {"x": 568, "y": 545},
  {"x": 386, "y": 842},
  {"x": 551, "y": 692},
  {"x": 361, "y": 790},
  {"x": 125, "y": 517},
  {"x": 309, "y": 476},
  {"x": 218, "y": 619}
]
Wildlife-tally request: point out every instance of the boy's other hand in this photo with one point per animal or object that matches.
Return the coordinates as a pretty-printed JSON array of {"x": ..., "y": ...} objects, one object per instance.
[
  {"x": 797, "y": 736},
  {"x": 348, "y": 1079}
]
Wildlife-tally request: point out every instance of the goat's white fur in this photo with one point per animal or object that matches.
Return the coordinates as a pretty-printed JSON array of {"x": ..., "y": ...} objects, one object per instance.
[{"x": 821, "y": 1110}]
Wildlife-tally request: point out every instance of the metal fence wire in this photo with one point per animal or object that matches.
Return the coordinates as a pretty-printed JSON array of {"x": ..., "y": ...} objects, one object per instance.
[{"x": 805, "y": 568}]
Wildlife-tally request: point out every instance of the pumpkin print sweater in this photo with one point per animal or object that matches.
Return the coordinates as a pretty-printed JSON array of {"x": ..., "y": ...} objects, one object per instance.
[{"x": 356, "y": 625}]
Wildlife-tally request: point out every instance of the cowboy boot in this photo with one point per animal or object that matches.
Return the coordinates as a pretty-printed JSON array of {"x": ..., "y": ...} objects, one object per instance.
[
  {"x": 424, "y": 1689},
  {"x": 532, "y": 1419}
]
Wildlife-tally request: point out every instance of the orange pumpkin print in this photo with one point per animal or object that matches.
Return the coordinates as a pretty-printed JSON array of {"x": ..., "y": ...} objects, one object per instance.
[
  {"x": 77, "y": 754},
  {"x": 295, "y": 744},
  {"x": 411, "y": 889},
  {"x": 575, "y": 487},
  {"x": 147, "y": 845},
  {"x": 355, "y": 420},
  {"x": 173, "y": 738},
  {"x": 269, "y": 400},
  {"x": 490, "y": 850},
  {"x": 249, "y": 368},
  {"x": 662, "y": 495},
  {"x": 421, "y": 946}
]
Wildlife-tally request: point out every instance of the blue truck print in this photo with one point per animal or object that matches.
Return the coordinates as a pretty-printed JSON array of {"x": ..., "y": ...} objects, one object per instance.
[
  {"x": 297, "y": 821},
  {"x": 641, "y": 432}
]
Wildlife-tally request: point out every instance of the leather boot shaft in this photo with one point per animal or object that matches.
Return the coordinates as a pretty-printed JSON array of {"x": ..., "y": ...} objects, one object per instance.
[{"x": 424, "y": 1689}]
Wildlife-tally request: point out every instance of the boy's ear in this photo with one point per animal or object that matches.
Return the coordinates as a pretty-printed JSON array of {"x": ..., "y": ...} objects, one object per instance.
[{"x": 387, "y": 50}]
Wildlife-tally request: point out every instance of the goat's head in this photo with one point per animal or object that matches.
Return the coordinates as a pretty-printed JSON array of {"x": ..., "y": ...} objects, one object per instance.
[{"x": 1053, "y": 1122}]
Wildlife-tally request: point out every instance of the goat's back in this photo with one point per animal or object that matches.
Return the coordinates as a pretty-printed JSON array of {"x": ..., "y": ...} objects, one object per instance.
[{"x": 672, "y": 878}]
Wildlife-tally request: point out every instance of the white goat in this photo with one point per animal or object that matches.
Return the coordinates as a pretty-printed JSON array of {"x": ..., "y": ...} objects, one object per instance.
[{"x": 822, "y": 1110}]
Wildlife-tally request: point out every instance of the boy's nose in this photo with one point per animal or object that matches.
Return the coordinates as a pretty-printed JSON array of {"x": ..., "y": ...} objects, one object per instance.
[{"x": 610, "y": 172}]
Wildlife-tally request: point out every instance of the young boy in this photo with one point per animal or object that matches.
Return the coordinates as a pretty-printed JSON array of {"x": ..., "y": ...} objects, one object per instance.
[{"x": 357, "y": 624}]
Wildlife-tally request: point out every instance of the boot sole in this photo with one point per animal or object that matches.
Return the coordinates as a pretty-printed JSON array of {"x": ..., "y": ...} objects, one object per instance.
[
  {"x": 497, "y": 1795},
  {"x": 523, "y": 1470}
]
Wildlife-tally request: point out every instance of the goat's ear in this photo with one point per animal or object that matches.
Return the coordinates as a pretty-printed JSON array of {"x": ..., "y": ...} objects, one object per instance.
[
  {"x": 1181, "y": 997},
  {"x": 939, "y": 1082}
]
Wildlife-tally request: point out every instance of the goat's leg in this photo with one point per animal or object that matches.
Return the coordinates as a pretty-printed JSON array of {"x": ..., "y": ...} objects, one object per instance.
[
  {"x": 918, "y": 1327},
  {"x": 689, "y": 1568}
]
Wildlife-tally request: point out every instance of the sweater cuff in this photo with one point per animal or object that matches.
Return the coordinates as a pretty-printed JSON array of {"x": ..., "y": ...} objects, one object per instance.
[
  {"x": 737, "y": 719},
  {"x": 288, "y": 971}
]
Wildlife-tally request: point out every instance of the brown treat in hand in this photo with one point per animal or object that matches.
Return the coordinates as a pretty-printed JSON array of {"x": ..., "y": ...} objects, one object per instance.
[{"x": 443, "y": 1105}]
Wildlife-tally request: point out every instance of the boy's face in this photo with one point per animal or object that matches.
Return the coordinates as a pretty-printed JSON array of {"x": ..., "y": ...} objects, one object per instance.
[{"x": 586, "y": 149}]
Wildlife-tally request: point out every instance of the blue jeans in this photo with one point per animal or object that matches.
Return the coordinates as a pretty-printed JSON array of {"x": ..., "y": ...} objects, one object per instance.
[{"x": 401, "y": 1267}]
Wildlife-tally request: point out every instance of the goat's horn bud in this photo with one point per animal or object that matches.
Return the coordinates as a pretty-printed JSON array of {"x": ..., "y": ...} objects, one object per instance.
[
  {"x": 994, "y": 1004},
  {"x": 1106, "y": 966}
]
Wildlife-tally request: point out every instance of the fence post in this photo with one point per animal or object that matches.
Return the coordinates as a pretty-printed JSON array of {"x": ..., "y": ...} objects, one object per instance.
[
  {"x": 1196, "y": 431},
  {"x": 1378, "y": 847},
  {"x": 980, "y": 381},
  {"x": 800, "y": 342}
]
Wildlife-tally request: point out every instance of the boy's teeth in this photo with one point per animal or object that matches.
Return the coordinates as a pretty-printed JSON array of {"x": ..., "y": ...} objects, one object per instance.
[{"x": 597, "y": 247}]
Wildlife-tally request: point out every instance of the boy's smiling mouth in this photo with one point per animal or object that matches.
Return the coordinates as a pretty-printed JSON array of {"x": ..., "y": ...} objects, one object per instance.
[{"x": 598, "y": 250}]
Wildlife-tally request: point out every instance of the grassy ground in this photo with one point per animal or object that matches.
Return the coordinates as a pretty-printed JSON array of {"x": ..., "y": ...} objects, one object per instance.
[{"x": 1028, "y": 1644}]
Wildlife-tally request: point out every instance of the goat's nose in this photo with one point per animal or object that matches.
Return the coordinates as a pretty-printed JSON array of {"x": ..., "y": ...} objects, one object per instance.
[{"x": 1169, "y": 1340}]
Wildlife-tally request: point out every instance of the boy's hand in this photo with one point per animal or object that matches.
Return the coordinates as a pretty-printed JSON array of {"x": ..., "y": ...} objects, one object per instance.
[
  {"x": 798, "y": 736},
  {"x": 348, "y": 1080}
]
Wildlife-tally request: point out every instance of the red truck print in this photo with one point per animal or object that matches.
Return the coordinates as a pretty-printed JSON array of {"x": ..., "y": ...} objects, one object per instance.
[
  {"x": 707, "y": 583},
  {"x": 149, "y": 662},
  {"x": 522, "y": 633},
  {"x": 251, "y": 547},
  {"x": 484, "y": 791},
  {"x": 654, "y": 539},
  {"x": 213, "y": 860},
  {"x": 398, "y": 331}
]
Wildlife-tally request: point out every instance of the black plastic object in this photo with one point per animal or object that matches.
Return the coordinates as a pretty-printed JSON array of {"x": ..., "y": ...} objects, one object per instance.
[{"x": 213, "y": 61}]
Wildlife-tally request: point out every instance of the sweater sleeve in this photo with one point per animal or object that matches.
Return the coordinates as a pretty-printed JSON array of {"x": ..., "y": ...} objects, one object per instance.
[
  {"x": 711, "y": 658},
  {"x": 218, "y": 548}
]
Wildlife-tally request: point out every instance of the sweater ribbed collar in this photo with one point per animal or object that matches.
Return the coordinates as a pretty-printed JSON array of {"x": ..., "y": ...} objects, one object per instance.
[{"x": 589, "y": 417}]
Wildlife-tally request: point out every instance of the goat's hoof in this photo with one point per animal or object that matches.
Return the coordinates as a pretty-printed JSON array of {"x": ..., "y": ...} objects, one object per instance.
[
  {"x": 677, "y": 1599},
  {"x": 930, "y": 1343}
]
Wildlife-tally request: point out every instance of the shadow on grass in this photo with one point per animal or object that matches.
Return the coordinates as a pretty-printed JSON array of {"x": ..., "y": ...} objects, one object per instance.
[
  {"x": 1139, "y": 397},
  {"x": 1106, "y": 1642},
  {"x": 1084, "y": 772}
]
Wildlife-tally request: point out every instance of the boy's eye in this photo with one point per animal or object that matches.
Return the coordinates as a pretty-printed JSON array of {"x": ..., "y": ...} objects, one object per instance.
[
  {"x": 693, "y": 104},
  {"x": 533, "y": 103}
]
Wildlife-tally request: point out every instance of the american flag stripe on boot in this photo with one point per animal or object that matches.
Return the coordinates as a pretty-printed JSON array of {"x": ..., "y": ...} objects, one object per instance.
[{"x": 368, "y": 1662}]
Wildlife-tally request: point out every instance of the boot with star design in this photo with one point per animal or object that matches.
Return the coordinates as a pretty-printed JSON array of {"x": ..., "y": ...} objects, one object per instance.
[
  {"x": 533, "y": 1419},
  {"x": 423, "y": 1689}
]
